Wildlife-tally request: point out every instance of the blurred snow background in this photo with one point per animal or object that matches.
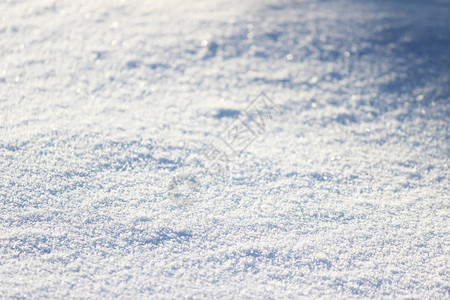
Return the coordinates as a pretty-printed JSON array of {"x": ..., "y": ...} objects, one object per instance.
[{"x": 346, "y": 194}]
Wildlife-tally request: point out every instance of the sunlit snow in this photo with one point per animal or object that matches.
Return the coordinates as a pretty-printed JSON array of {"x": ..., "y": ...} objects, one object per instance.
[{"x": 106, "y": 105}]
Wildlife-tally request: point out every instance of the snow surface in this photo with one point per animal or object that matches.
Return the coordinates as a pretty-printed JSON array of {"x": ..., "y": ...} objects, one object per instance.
[{"x": 346, "y": 194}]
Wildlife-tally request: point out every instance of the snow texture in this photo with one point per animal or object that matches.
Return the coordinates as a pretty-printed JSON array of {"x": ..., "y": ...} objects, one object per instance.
[{"x": 345, "y": 194}]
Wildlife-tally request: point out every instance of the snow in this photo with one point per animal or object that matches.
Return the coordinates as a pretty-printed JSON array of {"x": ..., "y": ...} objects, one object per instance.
[{"x": 345, "y": 194}]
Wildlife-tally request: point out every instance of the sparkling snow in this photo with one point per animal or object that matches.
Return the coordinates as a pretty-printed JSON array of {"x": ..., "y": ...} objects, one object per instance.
[{"x": 344, "y": 195}]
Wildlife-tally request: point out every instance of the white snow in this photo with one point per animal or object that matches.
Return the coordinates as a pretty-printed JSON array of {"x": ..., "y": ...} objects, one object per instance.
[{"x": 345, "y": 194}]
